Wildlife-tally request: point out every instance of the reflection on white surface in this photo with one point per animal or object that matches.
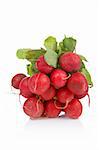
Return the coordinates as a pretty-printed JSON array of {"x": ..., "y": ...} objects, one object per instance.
[
  {"x": 56, "y": 123},
  {"x": 45, "y": 129},
  {"x": 61, "y": 131}
]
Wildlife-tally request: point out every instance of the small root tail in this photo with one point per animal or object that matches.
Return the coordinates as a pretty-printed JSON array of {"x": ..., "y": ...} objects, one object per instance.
[
  {"x": 88, "y": 99},
  {"x": 69, "y": 75},
  {"x": 37, "y": 104},
  {"x": 12, "y": 91},
  {"x": 60, "y": 107},
  {"x": 35, "y": 85},
  {"x": 20, "y": 100}
]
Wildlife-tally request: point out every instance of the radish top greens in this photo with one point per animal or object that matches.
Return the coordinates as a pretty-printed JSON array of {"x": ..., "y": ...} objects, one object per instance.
[{"x": 51, "y": 52}]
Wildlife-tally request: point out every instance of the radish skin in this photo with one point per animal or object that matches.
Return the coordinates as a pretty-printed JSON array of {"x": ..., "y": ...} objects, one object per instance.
[
  {"x": 33, "y": 107},
  {"x": 39, "y": 83},
  {"x": 70, "y": 62},
  {"x": 17, "y": 79},
  {"x": 42, "y": 65},
  {"x": 49, "y": 94},
  {"x": 74, "y": 109},
  {"x": 58, "y": 78},
  {"x": 24, "y": 89},
  {"x": 77, "y": 84},
  {"x": 64, "y": 95},
  {"x": 50, "y": 110}
]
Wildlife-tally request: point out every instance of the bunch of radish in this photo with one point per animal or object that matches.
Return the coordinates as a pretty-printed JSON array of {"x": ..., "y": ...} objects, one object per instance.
[{"x": 57, "y": 79}]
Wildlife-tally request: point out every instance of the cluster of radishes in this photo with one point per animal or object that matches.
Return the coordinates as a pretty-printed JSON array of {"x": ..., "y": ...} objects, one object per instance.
[{"x": 51, "y": 89}]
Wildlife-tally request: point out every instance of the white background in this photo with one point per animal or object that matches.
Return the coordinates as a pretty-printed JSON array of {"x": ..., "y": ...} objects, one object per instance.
[{"x": 26, "y": 23}]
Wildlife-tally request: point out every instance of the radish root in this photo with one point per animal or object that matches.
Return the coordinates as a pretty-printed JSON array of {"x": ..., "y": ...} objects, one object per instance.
[
  {"x": 67, "y": 77},
  {"x": 12, "y": 90},
  {"x": 35, "y": 87},
  {"x": 60, "y": 107},
  {"x": 88, "y": 99},
  {"x": 20, "y": 100},
  {"x": 37, "y": 104}
]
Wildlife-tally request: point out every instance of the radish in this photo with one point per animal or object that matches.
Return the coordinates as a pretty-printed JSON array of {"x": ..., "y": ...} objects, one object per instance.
[
  {"x": 42, "y": 65},
  {"x": 77, "y": 84},
  {"x": 70, "y": 62},
  {"x": 58, "y": 78},
  {"x": 50, "y": 110},
  {"x": 49, "y": 94},
  {"x": 74, "y": 109},
  {"x": 16, "y": 80},
  {"x": 81, "y": 96},
  {"x": 64, "y": 95},
  {"x": 33, "y": 107},
  {"x": 39, "y": 83},
  {"x": 24, "y": 89}
]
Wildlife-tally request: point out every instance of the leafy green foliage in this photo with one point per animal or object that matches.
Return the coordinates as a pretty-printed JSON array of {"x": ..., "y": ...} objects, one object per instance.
[
  {"x": 50, "y": 43},
  {"x": 87, "y": 75},
  {"x": 24, "y": 53},
  {"x": 51, "y": 54},
  {"x": 61, "y": 45},
  {"x": 85, "y": 72},
  {"x": 82, "y": 65},
  {"x": 29, "y": 54},
  {"x": 31, "y": 69},
  {"x": 60, "y": 48},
  {"x": 69, "y": 43},
  {"x": 51, "y": 58},
  {"x": 83, "y": 58}
]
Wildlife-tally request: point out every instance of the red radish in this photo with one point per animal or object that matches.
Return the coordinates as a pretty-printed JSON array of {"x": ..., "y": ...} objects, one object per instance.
[
  {"x": 16, "y": 80},
  {"x": 50, "y": 110},
  {"x": 33, "y": 107},
  {"x": 77, "y": 84},
  {"x": 74, "y": 109},
  {"x": 58, "y": 78},
  {"x": 70, "y": 62},
  {"x": 64, "y": 95},
  {"x": 49, "y": 94},
  {"x": 81, "y": 96},
  {"x": 39, "y": 83},
  {"x": 42, "y": 65},
  {"x": 24, "y": 89}
]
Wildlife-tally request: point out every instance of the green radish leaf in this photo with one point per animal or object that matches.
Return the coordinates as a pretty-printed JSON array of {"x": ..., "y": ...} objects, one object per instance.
[
  {"x": 31, "y": 69},
  {"x": 29, "y": 53},
  {"x": 23, "y": 53},
  {"x": 83, "y": 65},
  {"x": 69, "y": 43},
  {"x": 88, "y": 76},
  {"x": 61, "y": 49},
  {"x": 61, "y": 45},
  {"x": 83, "y": 58},
  {"x": 51, "y": 58},
  {"x": 50, "y": 43}
]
